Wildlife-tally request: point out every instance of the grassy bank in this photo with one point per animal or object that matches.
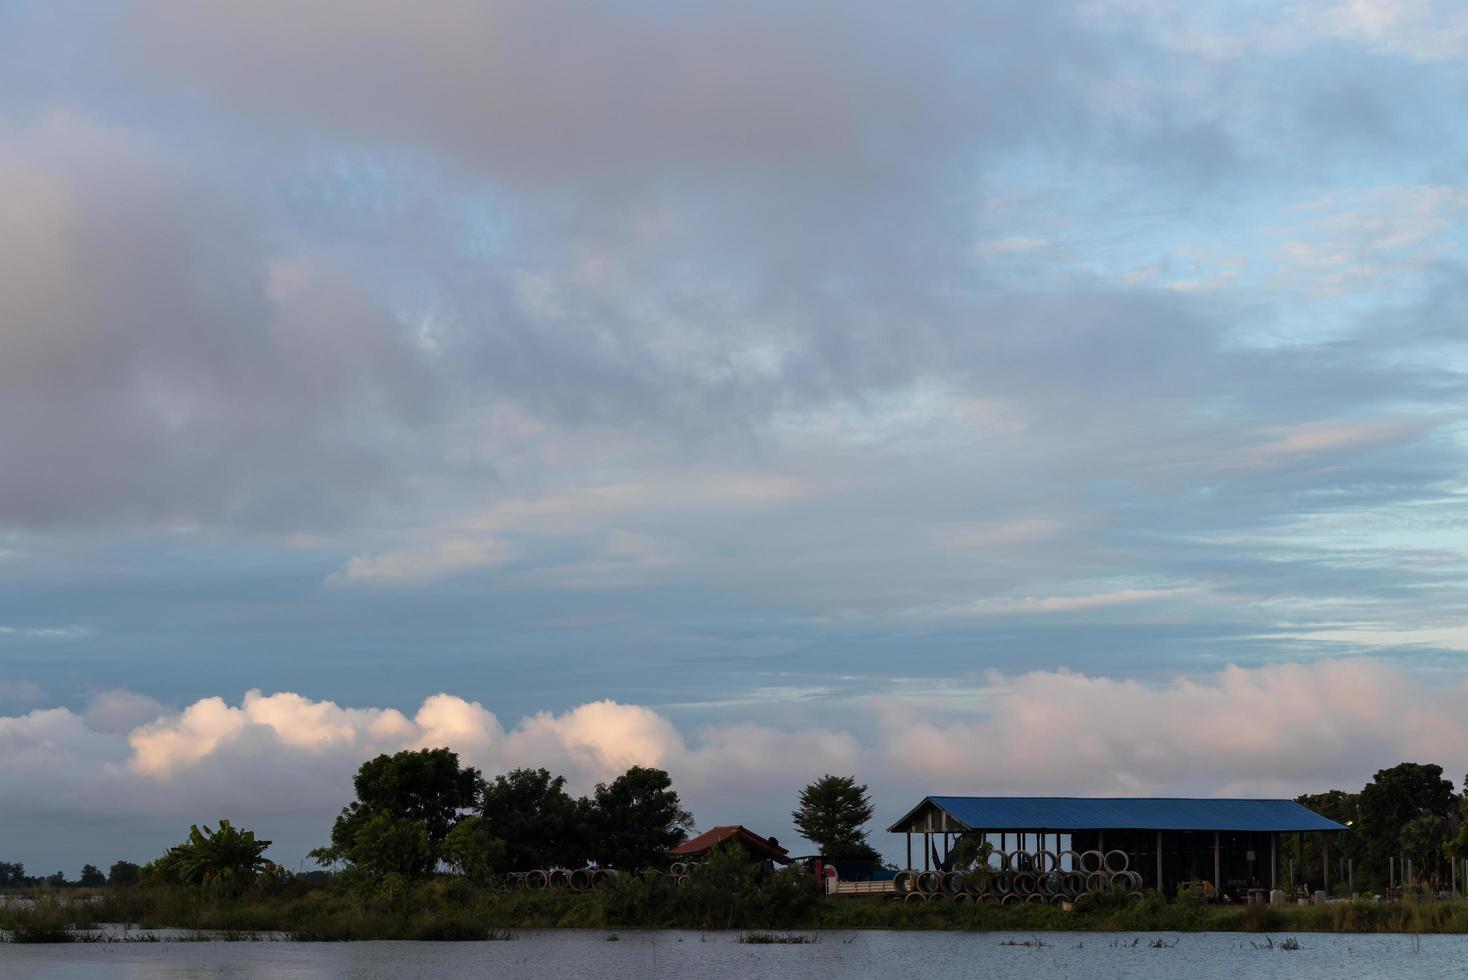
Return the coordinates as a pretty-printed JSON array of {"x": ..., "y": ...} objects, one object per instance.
[{"x": 451, "y": 910}]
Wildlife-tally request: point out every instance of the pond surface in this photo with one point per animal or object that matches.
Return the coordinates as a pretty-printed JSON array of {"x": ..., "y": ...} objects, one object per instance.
[{"x": 571, "y": 954}]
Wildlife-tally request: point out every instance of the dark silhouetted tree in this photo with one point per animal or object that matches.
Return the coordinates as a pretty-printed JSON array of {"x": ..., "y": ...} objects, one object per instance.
[
  {"x": 92, "y": 877},
  {"x": 541, "y": 825},
  {"x": 123, "y": 874},
  {"x": 833, "y": 813},
  {"x": 406, "y": 806},
  {"x": 638, "y": 819},
  {"x": 473, "y": 851},
  {"x": 1394, "y": 798}
]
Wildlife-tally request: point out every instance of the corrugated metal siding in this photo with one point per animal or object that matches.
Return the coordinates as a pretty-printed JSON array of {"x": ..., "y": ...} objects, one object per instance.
[{"x": 1085, "y": 813}]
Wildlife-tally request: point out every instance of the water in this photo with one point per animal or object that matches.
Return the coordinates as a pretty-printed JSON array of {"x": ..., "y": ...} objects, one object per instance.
[{"x": 718, "y": 956}]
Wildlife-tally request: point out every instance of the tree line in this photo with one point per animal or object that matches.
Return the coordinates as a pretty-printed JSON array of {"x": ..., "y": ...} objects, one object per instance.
[
  {"x": 1409, "y": 812},
  {"x": 419, "y": 812}
]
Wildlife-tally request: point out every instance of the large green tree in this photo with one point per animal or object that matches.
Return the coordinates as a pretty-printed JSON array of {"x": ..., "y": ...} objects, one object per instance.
[
  {"x": 832, "y": 814},
  {"x": 638, "y": 819},
  {"x": 1394, "y": 798},
  {"x": 406, "y": 806},
  {"x": 541, "y": 825}
]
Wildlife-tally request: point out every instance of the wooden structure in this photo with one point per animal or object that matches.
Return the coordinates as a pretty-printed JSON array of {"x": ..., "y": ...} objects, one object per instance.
[{"x": 1232, "y": 843}]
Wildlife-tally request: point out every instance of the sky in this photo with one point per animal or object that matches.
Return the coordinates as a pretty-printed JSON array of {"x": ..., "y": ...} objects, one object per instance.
[{"x": 977, "y": 398}]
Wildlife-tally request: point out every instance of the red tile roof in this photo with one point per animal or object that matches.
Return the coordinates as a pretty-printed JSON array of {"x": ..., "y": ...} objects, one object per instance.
[{"x": 759, "y": 846}]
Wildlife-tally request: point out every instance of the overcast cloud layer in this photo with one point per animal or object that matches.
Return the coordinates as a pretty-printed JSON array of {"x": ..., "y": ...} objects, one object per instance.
[{"x": 745, "y": 362}]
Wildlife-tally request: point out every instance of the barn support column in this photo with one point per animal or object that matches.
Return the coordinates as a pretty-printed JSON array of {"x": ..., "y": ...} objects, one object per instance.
[
  {"x": 1273, "y": 861},
  {"x": 1325, "y": 863},
  {"x": 909, "y": 850},
  {"x": 1217, "y": 878},
  {"x": 1159, "y": 865}
]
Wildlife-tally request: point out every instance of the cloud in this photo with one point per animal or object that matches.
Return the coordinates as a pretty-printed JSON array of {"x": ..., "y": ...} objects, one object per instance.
[
  {"x": 1427, "y": 30},
  {"x": 430, "y": 561},
  {"x": 162, "y": 364},
  {"x": 285, "y": 761}
]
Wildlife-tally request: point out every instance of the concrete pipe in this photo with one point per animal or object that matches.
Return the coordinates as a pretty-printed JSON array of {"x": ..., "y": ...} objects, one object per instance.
[
  {"x": 682, "y": 881},
  {"x": 1134, "y": 882},
  {"x": 580, "y": 880},
  {"x": 1135, "y": 895},
  {"x": 929, "y": 882},
  {"x": 1097, "y": 881},
  {"x": 1070, "y": 860},
  {"x": 975, "y": 882},
  {"x": 1021, "y": 861},
  {"x": 1074, "y": 883},
  {"x": 1048, "y": 861},
  {"x": 1051, "y": 882},
  {"x": 905, "y": 882},
  {"x": 1092, "y": 861},
  {"x": 1116, "y": 861},
  {"x": 536, "y": 880},
  {"x": 1035, "y": 898},
  {"x": 962, "y": 897},
  {"x": 1058, "y": 900},
  {"x": 915, "y": 897},
  {"x": 560, "y": 878},
  {"x": 1010, "y": 899},
  {"x": 997, "y": 860},
  {"x": 952, "y": 883},
  {"x": 677, "y": 869},
  {"x": 1002, "y": 883},
  {"x": 514, "y": 881},
  {"x": 603, "y": 878},
  {"x": 1025, "y": 883}
]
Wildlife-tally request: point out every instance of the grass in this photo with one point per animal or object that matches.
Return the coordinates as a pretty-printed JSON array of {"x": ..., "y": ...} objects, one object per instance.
[
  {"x": 449, "y": 909},
  {"x": 776, "y": 938}
]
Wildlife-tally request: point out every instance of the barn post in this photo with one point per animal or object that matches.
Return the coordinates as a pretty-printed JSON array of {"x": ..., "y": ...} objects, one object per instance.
[
  {"x": 908, "y": 835},
  {"x": 1159, "y": 865},
  {"x": 1273, "y": 860},
  {"x": 1325, "y": 863},
  {"x": 1217, "y": 878}
]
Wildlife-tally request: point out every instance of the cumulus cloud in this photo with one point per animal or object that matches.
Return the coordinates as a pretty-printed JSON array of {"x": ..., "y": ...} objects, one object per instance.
[{"x": 286, "y": 760}]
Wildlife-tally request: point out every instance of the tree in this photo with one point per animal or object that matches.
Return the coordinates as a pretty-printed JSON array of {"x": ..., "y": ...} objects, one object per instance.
[
  {"x": 1424, "y": 841},
  {"x": 92, "y": 877},
  {"x": 406, "y": 806},
  {"x": 538, "y": 821},
  {"x": 227, "y": 859},
  {"x": 639, "y": 819},
  {"x": 123, "y": 874},
  {"x": 12, "y": 873},
  {"x": 383, "y": 844},
  {"x": 832, "y": 812},
  {"x": 1342, "y": 807},
  {"x": 1459, "y": 846},
  {"x": 473, "y": 851},
  {"x": 1392, "y": 799}
]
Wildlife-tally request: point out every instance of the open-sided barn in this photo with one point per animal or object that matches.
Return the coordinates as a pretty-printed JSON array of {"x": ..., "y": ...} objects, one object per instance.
[{"x": 1231, "y": 843}]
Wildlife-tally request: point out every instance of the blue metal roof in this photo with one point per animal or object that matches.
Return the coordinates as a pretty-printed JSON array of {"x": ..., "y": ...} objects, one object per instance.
[{"x": 1086, "y": 813}]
